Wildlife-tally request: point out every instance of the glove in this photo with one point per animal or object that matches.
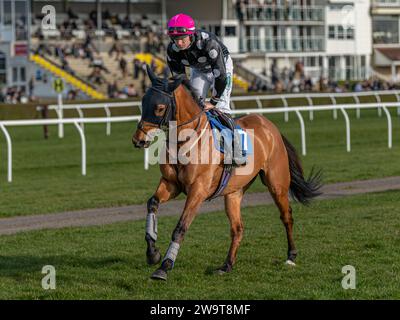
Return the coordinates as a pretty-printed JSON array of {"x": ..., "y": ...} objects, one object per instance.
[{"x": 214, "y": 101}]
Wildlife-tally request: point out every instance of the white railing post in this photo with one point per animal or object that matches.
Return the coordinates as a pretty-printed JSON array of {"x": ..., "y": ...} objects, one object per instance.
[
  {"x": 108, "y": 115},
  {"x": 232, "y": 105},
  {"x": 310, "y": 103},
  {"x": 9, "y": 152},
  {"x": 389, "y": 120},
  {"x": 81, "y": 116},
  {"x": 60, "y": 114},
  {"x": 285, "y": 104},
  {"x": 146, "y": 159},
  {"x": 378, "y": 100},
  {"x": 346, "y": 117},
  {"x": 358, "y": 111},
  {"x": 333, "y": 99},
  {"x": 259, "y": 104},
  {"x": 83, "y": 144},
  {"x": 303, "y": 133}
]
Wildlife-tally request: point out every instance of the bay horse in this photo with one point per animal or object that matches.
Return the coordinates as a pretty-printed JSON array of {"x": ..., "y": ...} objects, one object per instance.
[{"x": 274, "y": 160}]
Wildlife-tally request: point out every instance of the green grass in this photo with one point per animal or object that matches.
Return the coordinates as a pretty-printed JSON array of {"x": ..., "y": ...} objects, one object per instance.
[
  {"x": 47, "y": 174},
  {"x": 108, "y": 262}
]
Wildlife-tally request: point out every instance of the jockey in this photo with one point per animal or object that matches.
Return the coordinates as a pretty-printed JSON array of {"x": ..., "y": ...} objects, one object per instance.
[{"x": 210, "y": 67}]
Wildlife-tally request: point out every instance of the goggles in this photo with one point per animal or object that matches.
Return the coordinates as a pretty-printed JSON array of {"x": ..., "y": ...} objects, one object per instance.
[{"x": 179, "y": 30}]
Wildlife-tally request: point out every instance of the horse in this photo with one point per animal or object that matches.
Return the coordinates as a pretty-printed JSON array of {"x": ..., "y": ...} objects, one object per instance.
[{"x": 274, "y": 160}]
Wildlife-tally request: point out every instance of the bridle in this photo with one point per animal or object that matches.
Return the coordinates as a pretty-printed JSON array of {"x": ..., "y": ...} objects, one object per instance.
[{"x": 169, "y": 115}]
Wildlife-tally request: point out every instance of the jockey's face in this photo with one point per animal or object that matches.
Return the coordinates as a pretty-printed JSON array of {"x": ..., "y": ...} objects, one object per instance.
[{"x": 183, "y": 43}]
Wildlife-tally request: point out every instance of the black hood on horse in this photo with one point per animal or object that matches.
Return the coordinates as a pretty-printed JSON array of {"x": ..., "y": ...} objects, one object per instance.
[{"x": 159, "y": 94}]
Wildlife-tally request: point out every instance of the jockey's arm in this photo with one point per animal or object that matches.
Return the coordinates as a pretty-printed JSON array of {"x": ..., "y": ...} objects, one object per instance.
[{"x": 217, "y": 62}]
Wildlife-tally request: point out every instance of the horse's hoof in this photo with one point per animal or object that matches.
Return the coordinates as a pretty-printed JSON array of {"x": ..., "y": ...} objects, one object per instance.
[
  {"x": 290, "y": 263},
  {"x": 154, "y": 259},
  {"x": 220, "y": 272},
  {"x": 223, "y": 270},
  {"x": 159, "y": 274}
]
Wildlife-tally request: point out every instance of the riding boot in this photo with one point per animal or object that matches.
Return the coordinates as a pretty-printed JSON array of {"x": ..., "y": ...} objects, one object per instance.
[{"x": 238, "y": 158}]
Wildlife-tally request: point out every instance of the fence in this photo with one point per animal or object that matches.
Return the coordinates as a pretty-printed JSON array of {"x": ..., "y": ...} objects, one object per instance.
[
  {"x": 79, "y": 122},
  {"x": 76, "y": 121},
  {"x": 342, "y": 108},
  {"x": 310, "y": 96},
  {"x": 257, "y": 98},
  {"x": 79, "y": 107}
]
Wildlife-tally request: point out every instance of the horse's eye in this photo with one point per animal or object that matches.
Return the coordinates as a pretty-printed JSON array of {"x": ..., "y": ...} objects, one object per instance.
[{"x": 160, "y": 110}]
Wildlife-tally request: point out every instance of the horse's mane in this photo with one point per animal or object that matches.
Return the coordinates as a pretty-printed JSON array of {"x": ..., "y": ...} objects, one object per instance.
[{"x": 166, "y": 85}]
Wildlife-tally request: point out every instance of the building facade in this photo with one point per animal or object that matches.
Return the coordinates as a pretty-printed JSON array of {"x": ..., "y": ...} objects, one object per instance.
[
  {"x": 14, "y": 42},
  {"x": 330, "y": 38},
  {"x": 386, "y": 38}
]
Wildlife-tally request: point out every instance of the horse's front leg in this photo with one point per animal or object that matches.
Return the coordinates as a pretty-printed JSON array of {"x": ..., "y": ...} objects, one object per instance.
[
  {"x": 193, "y": 202},
  {"x": 166, "y": 190}
]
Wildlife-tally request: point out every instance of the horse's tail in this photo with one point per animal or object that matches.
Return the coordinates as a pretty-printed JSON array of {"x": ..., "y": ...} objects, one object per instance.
[{"x": 301, "y": 190}]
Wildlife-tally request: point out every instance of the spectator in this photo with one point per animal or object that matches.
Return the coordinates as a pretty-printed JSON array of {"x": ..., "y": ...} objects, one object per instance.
[
  {"x": 71, "y": 14},
  {"x": 123, "y": 67},
  {"x": 130, "y": 91},
  {"x": 112, "y": 89},
  {"x": 72, "y": 94},
  {"x": 31, "y": 85},
  {"x": 358, "y": 87},
  {"x": 137, "y": 65}
]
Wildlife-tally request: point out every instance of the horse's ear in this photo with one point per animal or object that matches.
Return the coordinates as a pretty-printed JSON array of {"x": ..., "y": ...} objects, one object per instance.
[
  {"x": 176, "y": 81},
  {"x": 151, "y": 74}
]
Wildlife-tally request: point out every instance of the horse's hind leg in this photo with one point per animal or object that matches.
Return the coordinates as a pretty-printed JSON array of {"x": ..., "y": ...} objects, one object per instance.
[
  {"x": 165, "y": 191},
  {"x": 232, "y": 208},
  {"x": 278, "y": 182}
]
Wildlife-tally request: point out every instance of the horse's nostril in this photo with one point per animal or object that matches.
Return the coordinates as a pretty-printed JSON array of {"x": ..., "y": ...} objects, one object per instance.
[{"x": 138, "y": 143}]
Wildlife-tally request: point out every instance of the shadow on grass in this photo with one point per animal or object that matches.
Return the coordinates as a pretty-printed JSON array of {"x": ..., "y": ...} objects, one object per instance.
[{"x": 15, "y": 265}]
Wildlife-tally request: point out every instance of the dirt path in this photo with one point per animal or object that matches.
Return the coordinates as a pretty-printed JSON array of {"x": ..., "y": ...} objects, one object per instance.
[{"x": 102, "y": 216}]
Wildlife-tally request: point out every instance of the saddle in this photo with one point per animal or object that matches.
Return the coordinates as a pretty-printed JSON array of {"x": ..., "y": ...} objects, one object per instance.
[{"x": 219, "y": 122}]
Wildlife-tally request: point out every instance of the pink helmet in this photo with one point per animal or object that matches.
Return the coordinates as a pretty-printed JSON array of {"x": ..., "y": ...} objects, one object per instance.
[{"x": 181, "y": 25}]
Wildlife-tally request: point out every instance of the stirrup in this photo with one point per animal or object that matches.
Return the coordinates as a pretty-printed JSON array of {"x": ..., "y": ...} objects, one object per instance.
[{"x": 238, "y": 165}]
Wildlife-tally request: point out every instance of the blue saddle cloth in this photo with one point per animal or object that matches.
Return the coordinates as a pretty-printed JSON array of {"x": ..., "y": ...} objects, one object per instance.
[{"x": 219, "y": 130}]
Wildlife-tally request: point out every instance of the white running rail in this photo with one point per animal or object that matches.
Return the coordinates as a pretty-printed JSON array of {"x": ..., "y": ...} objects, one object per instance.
[
  {"x": 76, "y": 121},
  {"x": 285, "y": 98}
]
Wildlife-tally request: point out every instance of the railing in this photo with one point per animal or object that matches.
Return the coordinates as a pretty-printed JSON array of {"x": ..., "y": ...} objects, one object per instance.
[
  {"x": 348, "y": 73},
  {"x": 386, "y": 3},
  {"x": 80, "y": 107},
  {"x": 310, "y": 96},
  {"x": 342, "y": 108},
  {"x": 269, "y": 12},
  {"x": 256, "y": 98},
  {"x": 77, "y": 122},
  {"x": 279, "y": 44}
]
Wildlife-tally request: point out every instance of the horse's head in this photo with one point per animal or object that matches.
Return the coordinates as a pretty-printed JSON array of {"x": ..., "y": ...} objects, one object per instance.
[{"x": 158, "y": 108}]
